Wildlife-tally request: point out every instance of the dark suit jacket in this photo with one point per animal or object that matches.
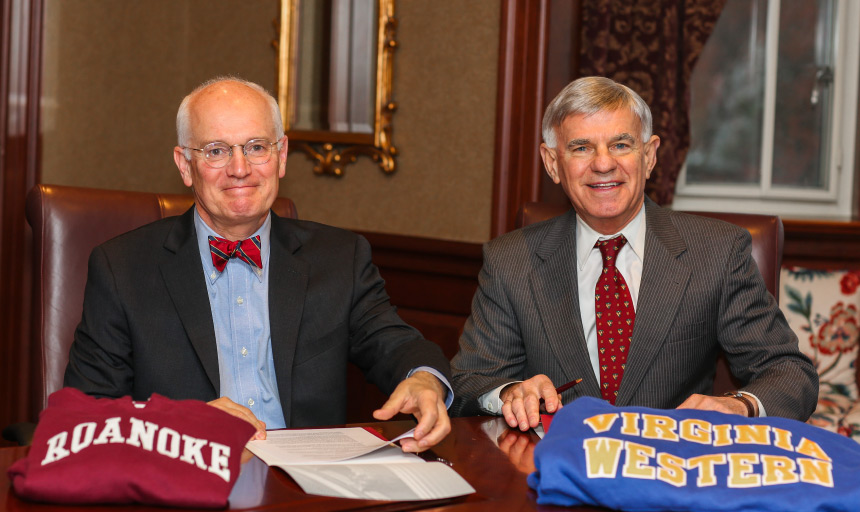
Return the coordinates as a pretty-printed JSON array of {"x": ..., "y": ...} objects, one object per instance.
[
  {"x": 700, "y": 292},
  {"x": 147, "y": 325}
]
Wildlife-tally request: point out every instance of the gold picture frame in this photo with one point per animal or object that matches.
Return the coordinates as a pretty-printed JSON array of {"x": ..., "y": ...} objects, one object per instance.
[{"x": 332, "y": 150}]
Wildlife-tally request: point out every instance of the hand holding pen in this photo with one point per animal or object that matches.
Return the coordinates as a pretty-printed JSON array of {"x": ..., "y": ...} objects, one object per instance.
[{"x": 521, "y": 401}]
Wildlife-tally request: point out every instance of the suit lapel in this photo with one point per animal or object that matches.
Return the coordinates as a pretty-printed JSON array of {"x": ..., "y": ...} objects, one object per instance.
[
  {"x": 554, "y": 289},
  {"x": 288, "y": 280},
  {"x": 183, "y": 276},
  {"x": 664, "y": 280}
]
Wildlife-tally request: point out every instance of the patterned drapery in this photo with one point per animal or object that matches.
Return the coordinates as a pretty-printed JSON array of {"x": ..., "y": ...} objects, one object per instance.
[{"x": 651, "y": 46}]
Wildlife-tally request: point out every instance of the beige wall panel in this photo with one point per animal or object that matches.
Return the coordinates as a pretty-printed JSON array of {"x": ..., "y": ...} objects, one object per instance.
[
  {"x": 115, "y": 72},
  {"x": 445, "y": 87}
]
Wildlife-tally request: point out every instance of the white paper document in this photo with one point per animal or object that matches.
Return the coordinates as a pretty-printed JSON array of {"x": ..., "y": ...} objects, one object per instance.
[{"x": 353, "y": 463}]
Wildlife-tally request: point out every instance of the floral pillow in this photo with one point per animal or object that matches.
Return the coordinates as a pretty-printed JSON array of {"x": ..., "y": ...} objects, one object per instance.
[
  {"x": 830, "y": 412},
  {"x": 823, "y": 309},
  {"x": 850, "y": 424}
]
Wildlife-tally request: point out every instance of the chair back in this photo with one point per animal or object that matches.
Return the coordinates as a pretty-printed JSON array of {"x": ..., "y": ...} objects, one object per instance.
[
  {"x": 68, "y": 222},
  {"x": 767, "y": 240}
]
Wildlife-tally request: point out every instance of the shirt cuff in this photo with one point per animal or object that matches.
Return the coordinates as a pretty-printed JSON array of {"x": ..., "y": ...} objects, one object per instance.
[
  {"x": 490, "y": 402},
  {"x": 448, "y": 399},
  {"x": 761, "y": 412}
]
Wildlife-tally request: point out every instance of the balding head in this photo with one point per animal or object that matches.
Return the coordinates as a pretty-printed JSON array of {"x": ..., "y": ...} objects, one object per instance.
[{"x": 212, "y": 89}]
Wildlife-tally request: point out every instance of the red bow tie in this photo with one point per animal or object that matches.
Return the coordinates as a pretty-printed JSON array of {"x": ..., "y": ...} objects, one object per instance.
[{"x": 247, "y": 250}]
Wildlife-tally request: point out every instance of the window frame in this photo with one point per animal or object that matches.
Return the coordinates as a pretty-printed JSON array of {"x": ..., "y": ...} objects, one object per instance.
[{"x": 837, "y": 201}]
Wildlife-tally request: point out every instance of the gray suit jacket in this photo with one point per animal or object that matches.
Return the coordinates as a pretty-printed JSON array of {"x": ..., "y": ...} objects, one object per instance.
[
  {"x": 701, "y": 292},
  {"x": 147, "y": 325}
]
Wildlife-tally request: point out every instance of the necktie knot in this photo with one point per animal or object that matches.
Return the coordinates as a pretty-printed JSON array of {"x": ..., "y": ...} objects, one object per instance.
[
  {"x": 609, "y": 249},
  {"x": 247, "y": 250}
]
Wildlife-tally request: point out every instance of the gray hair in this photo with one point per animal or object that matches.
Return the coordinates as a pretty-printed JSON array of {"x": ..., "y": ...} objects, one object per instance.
[
  {"x": 183, "y": 115},
  {"x": 589, "y": 95}
]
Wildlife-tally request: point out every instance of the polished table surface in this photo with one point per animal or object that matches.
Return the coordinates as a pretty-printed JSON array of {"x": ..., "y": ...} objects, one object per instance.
[{"x": 489, "y": 455}]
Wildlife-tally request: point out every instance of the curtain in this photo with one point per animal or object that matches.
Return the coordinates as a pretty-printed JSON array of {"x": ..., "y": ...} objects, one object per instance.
[{"x": 651, "y": 46}]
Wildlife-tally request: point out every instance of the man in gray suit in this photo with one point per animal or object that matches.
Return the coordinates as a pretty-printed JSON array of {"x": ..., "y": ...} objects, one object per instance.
[
  {"x": 231, "y": 304},
  {"x": 684, "y": 287}
]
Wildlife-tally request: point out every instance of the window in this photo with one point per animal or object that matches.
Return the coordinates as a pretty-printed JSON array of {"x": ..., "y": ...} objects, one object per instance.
[{"x": 773, "y": 110}]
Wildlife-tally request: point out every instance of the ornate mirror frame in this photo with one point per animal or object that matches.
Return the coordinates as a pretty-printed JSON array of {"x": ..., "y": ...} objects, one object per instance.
[{"x": 332, "y": 151}]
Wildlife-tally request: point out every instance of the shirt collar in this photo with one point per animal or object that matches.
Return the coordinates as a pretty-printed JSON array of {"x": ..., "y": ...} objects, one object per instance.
[
  {"x": 586, "y": 237},
  {"x": 203, "y": 233}
]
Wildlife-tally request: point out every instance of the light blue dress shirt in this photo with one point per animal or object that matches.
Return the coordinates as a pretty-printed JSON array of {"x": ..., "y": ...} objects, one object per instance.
[{"x": 239, "y": 299}]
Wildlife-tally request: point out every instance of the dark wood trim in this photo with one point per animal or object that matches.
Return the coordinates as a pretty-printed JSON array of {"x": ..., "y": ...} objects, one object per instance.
[
  {"x": 429, "y": 247},
  {"x": 20, "y": 90},
  {"x": 855, "y": 196},
  {"x": 519, "y": 109},
  {"x": 563, "y": 36},
  {"x": 822, "y": 244},
  {"x": 562, "y": 66},
  {"x": 427, "y": 275}
]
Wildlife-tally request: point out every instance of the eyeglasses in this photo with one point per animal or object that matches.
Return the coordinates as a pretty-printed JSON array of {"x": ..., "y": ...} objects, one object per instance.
[{"x": 218, "y": 154}]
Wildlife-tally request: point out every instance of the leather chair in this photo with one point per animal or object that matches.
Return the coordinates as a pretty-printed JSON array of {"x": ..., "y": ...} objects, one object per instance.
[
  {"x": 767, "y": 241},
  {"x": 68, "y": 222}
]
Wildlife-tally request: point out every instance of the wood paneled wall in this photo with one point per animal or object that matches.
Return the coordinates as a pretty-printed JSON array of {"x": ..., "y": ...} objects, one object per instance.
[
  {"x": 519, "y": 109},
  {"x": 822, "y": 244},
  {"x": 432, "y": 283},
  {"x": 20, "y": 74}
]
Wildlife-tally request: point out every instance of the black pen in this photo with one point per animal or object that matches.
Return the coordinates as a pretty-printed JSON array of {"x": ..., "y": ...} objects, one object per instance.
[{"x": 565, "y": 387}]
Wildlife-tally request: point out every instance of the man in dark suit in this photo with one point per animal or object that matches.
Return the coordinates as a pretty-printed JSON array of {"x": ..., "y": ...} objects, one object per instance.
[
  {"x": 231, "y": 304},
  {"x": 633, "y": 299}
]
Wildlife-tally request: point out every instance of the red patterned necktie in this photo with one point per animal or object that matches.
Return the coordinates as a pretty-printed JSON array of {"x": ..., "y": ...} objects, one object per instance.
[
  {"x": 247, "y": 250},
  {"x": 613, "y": 308}
]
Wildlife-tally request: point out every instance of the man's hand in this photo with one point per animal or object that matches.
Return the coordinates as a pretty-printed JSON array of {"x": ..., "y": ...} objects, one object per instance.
[
  {"x": 242, "y": 412},
  {"x": 521, "y": 401},
  {"x": 714, "y": 403},
  {"x": 423, "y": 396}
]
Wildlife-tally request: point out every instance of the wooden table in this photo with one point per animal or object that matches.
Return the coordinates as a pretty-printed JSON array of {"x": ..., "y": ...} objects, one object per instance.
[{"x": 493, "y": 458}]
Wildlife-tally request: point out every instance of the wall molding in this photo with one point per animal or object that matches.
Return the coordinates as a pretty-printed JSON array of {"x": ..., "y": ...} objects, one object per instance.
[
  {"x": 425, "y": 274},
  {"x": 821, "y": 244},
  {"x": 20, "y": 89},
  {"x": 519, "y": 110}
]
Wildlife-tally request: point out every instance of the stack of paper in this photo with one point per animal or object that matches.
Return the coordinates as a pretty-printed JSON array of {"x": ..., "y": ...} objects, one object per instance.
[{"x": 353, "y": 463}]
